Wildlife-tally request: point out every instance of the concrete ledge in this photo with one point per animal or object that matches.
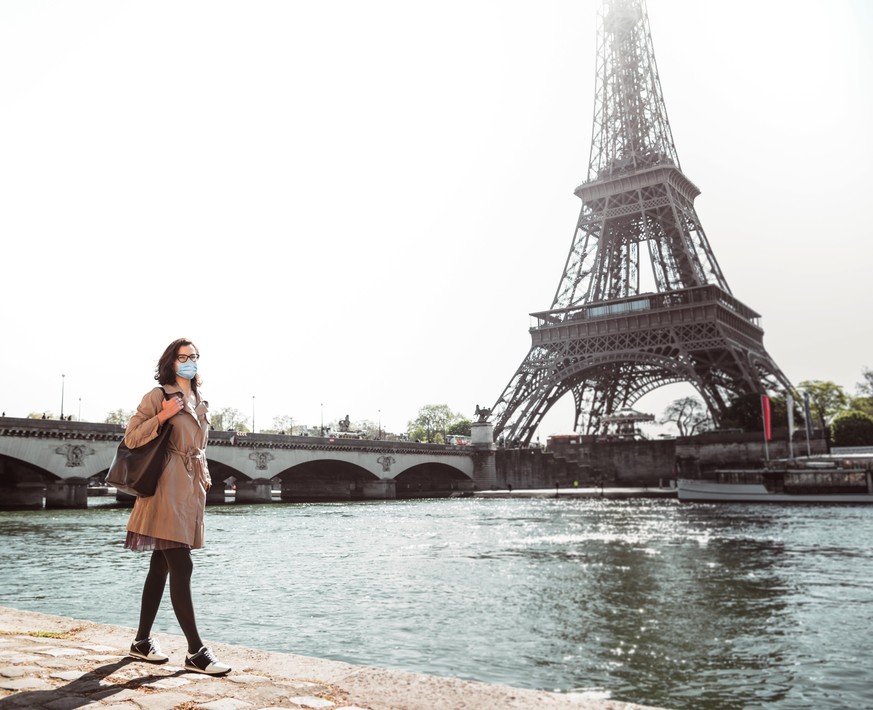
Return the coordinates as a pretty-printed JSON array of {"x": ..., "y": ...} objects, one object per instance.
[
  {"x": 581, "y": 492},
  {"x": 57, "y": 662}
]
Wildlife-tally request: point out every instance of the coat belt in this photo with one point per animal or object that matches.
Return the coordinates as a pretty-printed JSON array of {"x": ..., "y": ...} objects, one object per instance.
[{"x": 189, "y": 456}]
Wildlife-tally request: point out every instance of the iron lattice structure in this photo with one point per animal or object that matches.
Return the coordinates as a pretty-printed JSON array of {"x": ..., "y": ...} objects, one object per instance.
[{"x": 603, "y": 339}]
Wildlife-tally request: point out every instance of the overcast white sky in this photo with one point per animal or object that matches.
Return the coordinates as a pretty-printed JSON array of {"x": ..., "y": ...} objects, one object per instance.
[{"x": 357, "y": 204}]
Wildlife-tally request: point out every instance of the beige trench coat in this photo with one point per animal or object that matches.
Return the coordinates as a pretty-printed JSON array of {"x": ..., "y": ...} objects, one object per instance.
[{"x": 175, "y": 511}]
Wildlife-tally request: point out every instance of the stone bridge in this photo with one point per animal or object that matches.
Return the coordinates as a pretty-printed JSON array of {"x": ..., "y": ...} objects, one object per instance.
[{"x": 52, "y": 463}]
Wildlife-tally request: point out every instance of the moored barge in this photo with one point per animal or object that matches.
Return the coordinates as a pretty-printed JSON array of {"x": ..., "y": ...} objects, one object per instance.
[{"x": 807, "y": 482}]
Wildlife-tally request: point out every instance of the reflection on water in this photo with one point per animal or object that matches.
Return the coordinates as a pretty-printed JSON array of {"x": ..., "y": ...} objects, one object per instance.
[{"x": 647, "y": 601}]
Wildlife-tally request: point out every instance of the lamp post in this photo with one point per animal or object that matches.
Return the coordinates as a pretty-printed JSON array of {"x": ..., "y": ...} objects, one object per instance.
[
  {"x": 380, "y": 424},
  {"x": 322, "y": 418},
  {"x": 253, "y": 414},
  {"x": 62, "y": 396},
  {"x": 80, "y": 409}
]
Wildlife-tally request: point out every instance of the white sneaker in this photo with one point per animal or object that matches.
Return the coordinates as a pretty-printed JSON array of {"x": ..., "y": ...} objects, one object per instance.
[
  {"x": 204, "y": 661},
  {"x": 148, "y": 650}
]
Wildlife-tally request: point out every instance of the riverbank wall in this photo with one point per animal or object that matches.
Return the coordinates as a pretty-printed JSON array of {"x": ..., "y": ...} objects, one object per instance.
[{"x": 596, "y": 461}]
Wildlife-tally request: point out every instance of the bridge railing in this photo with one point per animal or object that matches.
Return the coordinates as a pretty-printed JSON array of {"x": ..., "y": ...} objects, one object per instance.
[
  {"x": 287, "y": 441},
  {"x": 97, "y": 431},
  {"x": 59, "y": 429}
]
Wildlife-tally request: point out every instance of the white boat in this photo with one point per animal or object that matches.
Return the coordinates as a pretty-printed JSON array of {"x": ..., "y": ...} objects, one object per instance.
[{"x": 780, "y": 485}]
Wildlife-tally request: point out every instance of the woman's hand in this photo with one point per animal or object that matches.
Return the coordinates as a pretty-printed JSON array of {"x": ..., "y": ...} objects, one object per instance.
[{"x": 170, "y": 408}]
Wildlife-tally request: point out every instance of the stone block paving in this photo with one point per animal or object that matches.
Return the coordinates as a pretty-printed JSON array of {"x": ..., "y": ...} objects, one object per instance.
[
  {"x": 59, "y": 674},
  {"x": 57, "y": 663}
]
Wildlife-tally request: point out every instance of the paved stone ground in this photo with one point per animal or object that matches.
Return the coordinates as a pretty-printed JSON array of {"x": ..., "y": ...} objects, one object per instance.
[{"x": 58, "y": 663}]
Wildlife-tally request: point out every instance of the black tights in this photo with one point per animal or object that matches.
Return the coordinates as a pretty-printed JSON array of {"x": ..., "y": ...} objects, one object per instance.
[{"x": 178, "y": 564}]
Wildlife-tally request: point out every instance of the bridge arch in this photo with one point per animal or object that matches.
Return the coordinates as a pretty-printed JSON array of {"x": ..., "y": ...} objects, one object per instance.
[
  {"x": 329, "y": 479},
  {"x": 433, "y": 480}
]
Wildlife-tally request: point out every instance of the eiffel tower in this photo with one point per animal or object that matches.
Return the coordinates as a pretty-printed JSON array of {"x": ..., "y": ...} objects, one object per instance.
[{"x": 603, "y": 340}]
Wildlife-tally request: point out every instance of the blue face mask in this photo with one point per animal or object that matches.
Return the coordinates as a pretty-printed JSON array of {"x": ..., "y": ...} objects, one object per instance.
[{"x": 187, "y": 369}]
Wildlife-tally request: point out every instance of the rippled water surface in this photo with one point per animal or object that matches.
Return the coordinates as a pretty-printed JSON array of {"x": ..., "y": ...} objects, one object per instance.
[{"x": 682, "y": 606}]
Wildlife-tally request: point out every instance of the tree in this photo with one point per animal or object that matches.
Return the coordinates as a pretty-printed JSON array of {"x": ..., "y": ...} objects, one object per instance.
[
  {"x": 862, "y": 404},
  {"x": 865, "y": 387},
  {"x": 283, "y": 424},
  {"x": 119, "y": 416},
  {"x": 744, "y": 412},
  {"x": 852, "y": 428},
  {"x": 228, "y": 419},
  {"x": 826, "y": 399},
  {"x": 688, "y": 414},
  {"x": 368, "y": 428},
  {"x": 432, "y": 423},
  {"x": 460, "y": 427}
]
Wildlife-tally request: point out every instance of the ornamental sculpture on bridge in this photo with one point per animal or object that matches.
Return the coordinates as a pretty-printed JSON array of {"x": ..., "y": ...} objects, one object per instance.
[
  {"x": 75, "y": 453},
  {"x": 261, "y": 459}
]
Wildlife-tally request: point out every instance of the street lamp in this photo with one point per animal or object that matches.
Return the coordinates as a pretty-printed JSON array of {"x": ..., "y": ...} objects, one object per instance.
[
  {"x": 253, "y": 414},
  {"x": 380, "y": 424},
  {"x": 322, "y": 418},
  {"x": 62, "y": 396},
  {"x": 80, "y": 409}
]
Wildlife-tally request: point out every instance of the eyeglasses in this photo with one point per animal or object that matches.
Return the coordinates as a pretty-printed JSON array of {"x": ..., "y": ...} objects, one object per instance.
[{"x": 184, "y": 358}]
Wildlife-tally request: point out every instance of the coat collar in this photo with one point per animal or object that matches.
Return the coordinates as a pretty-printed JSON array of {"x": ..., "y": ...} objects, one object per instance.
[{"x": 175, "y": 389}]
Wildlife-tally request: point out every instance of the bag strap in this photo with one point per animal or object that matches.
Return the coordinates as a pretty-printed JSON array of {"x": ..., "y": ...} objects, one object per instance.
[{"x": 166, "y": 396}]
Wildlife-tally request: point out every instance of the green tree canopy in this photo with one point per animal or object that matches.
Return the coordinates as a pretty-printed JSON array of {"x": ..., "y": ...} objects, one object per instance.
[
  {"x": 433, "y": 423},
  {"x": 744, "y": 412},
  {"x": 862, "y": 404},
  {"x": 460, "y": 427},
  {"x": 826, "y": 399},
  {"x": 852, "y": 428},
  {"x": 865, "y": 387}
]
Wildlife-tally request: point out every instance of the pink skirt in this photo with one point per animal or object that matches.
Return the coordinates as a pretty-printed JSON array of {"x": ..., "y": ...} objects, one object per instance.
[{"x": 147, "y": 543}]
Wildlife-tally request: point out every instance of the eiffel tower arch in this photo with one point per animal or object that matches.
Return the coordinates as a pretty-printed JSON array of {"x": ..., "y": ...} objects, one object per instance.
[{"x": 603, "y": 339}]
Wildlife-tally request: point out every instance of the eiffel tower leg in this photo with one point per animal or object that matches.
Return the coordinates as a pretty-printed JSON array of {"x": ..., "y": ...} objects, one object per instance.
[{"x": 529, "y": 395}]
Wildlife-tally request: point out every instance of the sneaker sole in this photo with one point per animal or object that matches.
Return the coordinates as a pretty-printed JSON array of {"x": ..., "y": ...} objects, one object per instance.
[
  {"x": 195, "y": 669},
  {"x": 140, "y": 657}
]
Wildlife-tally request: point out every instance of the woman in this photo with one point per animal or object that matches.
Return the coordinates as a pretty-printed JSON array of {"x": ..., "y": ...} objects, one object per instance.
[{"x": 169, "y": 524}]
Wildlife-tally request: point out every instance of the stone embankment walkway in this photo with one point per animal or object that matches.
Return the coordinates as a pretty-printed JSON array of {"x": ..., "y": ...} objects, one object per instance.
[
  {"x": 58, "y": 663},
  {"x": 582, "y": 492}
]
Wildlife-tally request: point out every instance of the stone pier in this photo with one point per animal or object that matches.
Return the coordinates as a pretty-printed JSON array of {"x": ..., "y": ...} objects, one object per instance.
[
  {"x": 258, "y": 491},
  {"x": 22, "y": 496},
  {"x": 216, "y": 493},
  {"x": 377, "y": 490},
  {"x": 70, "y": 493},
  {"x": 485, "y": 465}
]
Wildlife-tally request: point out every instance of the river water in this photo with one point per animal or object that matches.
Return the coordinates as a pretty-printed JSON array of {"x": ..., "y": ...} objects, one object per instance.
[{"x": 655, "y": 602}]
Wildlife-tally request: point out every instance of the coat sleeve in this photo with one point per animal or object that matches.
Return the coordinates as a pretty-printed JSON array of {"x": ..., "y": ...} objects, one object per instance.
[{"x": 144, "y": 425}]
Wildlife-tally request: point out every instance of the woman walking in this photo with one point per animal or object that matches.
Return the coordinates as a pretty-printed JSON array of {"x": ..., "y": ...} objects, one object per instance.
[{"x": 169, "y": 524}]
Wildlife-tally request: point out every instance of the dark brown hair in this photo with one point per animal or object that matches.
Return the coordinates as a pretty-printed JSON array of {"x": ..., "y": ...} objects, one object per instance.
[{"x": 165, "y": 372}]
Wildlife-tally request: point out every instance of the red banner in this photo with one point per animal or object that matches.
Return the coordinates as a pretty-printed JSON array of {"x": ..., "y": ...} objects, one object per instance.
[{"x": 765, "y": 408}]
